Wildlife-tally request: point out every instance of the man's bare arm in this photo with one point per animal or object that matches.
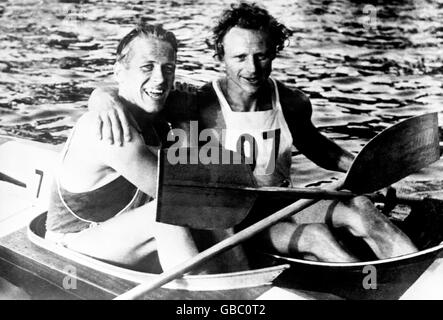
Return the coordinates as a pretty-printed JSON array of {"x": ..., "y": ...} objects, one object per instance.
[
  {"x": 307, "y": 139},
  {"x": 113, "y": 120},
  {"x": 323, "y": 151},
  {"x": 134, "y": 160}
]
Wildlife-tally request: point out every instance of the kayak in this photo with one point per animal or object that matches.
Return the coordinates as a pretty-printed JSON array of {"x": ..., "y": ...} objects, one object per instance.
[
  {"x": 48, "y": 271},
  {"x": 27, "y": 173}
]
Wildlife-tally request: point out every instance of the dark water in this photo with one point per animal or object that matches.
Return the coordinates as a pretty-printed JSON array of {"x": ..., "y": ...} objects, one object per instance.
[{"x": 364, "y": 65}]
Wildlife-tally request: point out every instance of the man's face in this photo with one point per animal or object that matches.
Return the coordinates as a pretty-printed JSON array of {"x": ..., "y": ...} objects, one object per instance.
[
  {"x": 148, "y": 76},
  {"x": 248, "y": 58}
]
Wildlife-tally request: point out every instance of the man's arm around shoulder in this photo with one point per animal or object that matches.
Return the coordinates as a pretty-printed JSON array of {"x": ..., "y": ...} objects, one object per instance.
[{"x": 133, "y": 160}]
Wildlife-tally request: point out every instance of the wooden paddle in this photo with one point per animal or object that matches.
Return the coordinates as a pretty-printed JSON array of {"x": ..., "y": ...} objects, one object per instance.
[
  {"x": 189, "y": 194},
  {"x": 414, "y": 140},
  {"x": 219, "y": 196}
]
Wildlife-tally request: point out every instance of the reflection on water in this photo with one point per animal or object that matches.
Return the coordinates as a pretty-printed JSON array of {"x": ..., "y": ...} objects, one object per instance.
[{"x": 364, "y": 66}]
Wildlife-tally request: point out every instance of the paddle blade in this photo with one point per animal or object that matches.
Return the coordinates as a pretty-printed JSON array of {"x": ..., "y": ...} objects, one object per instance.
[
  {"x": 395, "y": 153},
  {"x": 192, "y": 193}
]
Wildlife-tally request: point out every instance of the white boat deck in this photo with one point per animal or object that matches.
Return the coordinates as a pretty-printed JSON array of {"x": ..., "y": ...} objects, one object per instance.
[
  {"x": 430, "y": 284},
  {"x": 17, "y": 208}
]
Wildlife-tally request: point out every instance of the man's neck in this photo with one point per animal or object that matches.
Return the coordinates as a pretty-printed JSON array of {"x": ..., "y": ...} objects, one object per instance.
[{"x": 242, "y": 101}]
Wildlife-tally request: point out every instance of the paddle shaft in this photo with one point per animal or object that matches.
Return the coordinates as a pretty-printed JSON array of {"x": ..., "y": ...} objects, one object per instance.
[
  {"x": 325, "y": 194},
  {"x": 309, "y": 193},
  {"x": 220, "y": 247}
]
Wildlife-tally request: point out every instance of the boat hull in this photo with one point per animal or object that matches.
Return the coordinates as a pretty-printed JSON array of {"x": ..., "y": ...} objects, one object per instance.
[
  {"x": 46, "y": 275},
  {"x": 212, "y": 282},
  {"x": 387, "y": 280}
]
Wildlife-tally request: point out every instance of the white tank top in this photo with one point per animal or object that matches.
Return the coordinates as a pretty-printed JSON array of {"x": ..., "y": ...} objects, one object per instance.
[{"x": 271, "y": 135}]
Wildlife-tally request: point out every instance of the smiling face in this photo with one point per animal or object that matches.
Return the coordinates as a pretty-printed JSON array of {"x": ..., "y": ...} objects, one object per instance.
[
  {"x": 248, "y": 58},
  {"x": 147, "y": 77}
]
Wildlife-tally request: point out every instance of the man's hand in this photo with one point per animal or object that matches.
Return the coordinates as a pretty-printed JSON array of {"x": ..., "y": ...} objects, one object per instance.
[
  {"x": 113, "y": 119},
  {"x": 390, "y": 199},
  {"x": 185, "y": 87}
]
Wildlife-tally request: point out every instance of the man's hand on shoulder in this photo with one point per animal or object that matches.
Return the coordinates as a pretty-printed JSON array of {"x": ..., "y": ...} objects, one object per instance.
[
  {"x": 112, "y": 120},
  {"x": 129, "y": 159},
  {"x": 181, "y": 104},
  {"x": 101, "y": 150},
  {"x": 185, "y": 87}
]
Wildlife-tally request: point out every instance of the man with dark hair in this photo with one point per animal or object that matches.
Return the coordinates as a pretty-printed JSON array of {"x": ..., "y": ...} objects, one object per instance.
[
  {"x": 250, "y": 17},
  {"x": 246, "y": 101}
]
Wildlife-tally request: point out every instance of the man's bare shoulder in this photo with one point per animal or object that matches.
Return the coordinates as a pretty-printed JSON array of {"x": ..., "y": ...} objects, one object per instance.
[
  {"x": 181, "y": 103},
  {"x": 85, "y": 132},
  {"x": 101, "y": 153},
  {"x": 84, "y": 129},
  {"x": 294, "y": 101},
  {"x": 209, "y": 107},
  {"x": 206, "y": 93},
  {"x": 84, "y": 155},
  {"x": 180, "y": 96},
  {"x": 200, "y": 104}
]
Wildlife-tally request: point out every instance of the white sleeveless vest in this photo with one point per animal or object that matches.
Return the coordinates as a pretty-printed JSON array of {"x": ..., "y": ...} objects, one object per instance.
[{"x": 271, "y": 135}]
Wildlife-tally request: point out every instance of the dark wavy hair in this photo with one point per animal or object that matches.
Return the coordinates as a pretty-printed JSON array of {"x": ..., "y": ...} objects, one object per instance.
[
  {"x": 249, "y": 16},
  {"x": 156, "y": 31}
]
